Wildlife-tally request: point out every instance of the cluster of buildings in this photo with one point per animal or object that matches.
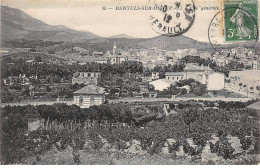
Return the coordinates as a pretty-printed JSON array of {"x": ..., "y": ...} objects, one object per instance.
[
  {"x": 149, "y": 57},
  {"x": 92, "y": 94},
  {"x": 108, "y": 58},
  {"x": 21, "y": 79},
  {"x": 86, "y": 78},
  {"x": 248, "y": 57},
  {"x": 156, "y": 57},
  {"x": 153, "y": 57},
  {"x": 202, "y": 74}
]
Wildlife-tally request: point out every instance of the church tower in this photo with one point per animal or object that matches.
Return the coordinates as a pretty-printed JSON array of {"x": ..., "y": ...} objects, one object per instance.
[
  {"x": 114, "y": 50},
  {"x": 114, "y": 53}
]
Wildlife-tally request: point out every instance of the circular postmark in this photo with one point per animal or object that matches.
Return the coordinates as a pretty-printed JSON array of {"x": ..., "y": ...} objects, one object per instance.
[
  {"x": 232, "y": 26},
  {"x": 174, "y": 18}
]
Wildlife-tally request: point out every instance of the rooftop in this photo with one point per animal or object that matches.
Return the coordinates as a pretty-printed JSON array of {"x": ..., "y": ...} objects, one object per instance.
[
  {"x": 90, "y": 89},
  {"x": 195, "y": 67},
  {"x": 174, "y": 74}
]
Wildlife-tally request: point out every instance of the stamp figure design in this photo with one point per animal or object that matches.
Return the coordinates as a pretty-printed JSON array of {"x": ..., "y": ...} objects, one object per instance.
[{"x": 239, "y": 20}]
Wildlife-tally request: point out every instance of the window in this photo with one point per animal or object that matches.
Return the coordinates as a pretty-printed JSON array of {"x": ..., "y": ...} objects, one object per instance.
[
  {"x": 168, "y": 77},
  {"x": 177, "y": 78},
  {"x": 173, "y": 78},
  {"x": 181, "y": 78},
  {"x": 80, "y": 100},
  {"x": 89, "y": 74},
  {"x": 92, "y": 101}
]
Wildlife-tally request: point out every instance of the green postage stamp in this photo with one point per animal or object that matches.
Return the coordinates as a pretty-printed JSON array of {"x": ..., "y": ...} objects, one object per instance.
[{"x": 240, "y": 20}]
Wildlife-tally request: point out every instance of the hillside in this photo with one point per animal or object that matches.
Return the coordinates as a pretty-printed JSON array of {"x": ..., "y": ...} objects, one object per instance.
[
  {"x": 173, "y": 43},
  {"x": 17, "y": 24},
  {"x": 122, "y": 36}
]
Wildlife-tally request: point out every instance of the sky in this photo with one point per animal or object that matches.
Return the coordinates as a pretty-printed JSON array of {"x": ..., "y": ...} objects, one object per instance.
[{"x": 88, "y": 15}]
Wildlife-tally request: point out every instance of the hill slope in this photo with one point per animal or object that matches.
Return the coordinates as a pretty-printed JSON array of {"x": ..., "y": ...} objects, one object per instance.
[
  {"x": 173, "y": 43},
  {"x": 122, "y": 36},
  {"x": 17, "y": 24}
]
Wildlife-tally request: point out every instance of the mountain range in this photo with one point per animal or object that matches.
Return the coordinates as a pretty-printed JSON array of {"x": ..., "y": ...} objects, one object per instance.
[{"x": 16, "y": 24}]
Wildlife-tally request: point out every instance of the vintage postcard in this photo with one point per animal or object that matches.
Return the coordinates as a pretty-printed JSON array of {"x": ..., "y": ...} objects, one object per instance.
[{"x": 130, "y": 82}]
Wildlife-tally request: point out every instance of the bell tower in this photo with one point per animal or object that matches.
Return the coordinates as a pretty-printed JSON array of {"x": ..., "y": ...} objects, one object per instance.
[{"x": 114, "y": 50}]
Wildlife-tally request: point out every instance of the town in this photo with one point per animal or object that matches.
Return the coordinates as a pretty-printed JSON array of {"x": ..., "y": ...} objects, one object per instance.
[{"x": 146, "y": 73}]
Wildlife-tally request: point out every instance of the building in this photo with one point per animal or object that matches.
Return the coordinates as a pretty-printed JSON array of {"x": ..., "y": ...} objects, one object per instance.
[
  {"x": 89, "y": 95},
  {"x": 256, "y": 64},
  {"x": 101, "y": 61},
  {"x": 86, "y": 78},
  {"x": 175, "y": 76},
  {"x": 9, "y": 81},
  {"x": 197, "y": 73},
  {"x": 215, "y": 81},
  {"x": 97, "y": 54},
  {"x": 205, "y": 55},
  {"x": 155, "y": 75},
  {"x": 173, "y": 61},
  {"x": 118, "y": 59},
  {"x": 115, "y": 58}
]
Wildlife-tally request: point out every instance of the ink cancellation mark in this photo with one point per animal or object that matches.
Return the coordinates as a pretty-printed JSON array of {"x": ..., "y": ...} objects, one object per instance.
[{"x": 173, "y": 20}]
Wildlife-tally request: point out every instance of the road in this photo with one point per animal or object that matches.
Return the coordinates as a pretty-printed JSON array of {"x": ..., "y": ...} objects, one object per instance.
[
  {"x": 35, "y": 103},
  {"x": 132, "y": 100}
]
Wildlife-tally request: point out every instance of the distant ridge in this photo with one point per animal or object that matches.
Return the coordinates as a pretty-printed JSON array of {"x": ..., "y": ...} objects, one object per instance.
[
  {"x": 122, "y": 36},
  {"x": 16, "y": 24}
]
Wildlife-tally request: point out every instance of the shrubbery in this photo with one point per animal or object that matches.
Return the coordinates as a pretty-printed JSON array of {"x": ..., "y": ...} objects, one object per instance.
[
  {"x": 223, "y": 148},
  {"x": 106, "y": 120}
]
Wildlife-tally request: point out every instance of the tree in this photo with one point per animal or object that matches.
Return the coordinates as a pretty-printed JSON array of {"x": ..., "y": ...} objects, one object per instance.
[
  {"x": 251, "y": 88},
  {"x": 240, "y": 84},
  {"x": 199, "y": 90},
  {"x": 258, "y": 87},
  {"x": 38, "y": 59},
  {"x": 189, "y": 116},
  {"x": 224, "y": 148}
]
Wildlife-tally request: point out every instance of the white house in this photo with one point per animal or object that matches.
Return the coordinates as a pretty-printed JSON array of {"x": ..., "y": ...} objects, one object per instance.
[
  {"x": 175, "y": 76},
  {"x": 89, "y": 96},
  {"x": 215, "y": 81}
]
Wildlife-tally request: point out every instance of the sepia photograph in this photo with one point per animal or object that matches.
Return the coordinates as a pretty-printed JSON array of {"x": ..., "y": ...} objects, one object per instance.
[{"x": 130, "y": 82}]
